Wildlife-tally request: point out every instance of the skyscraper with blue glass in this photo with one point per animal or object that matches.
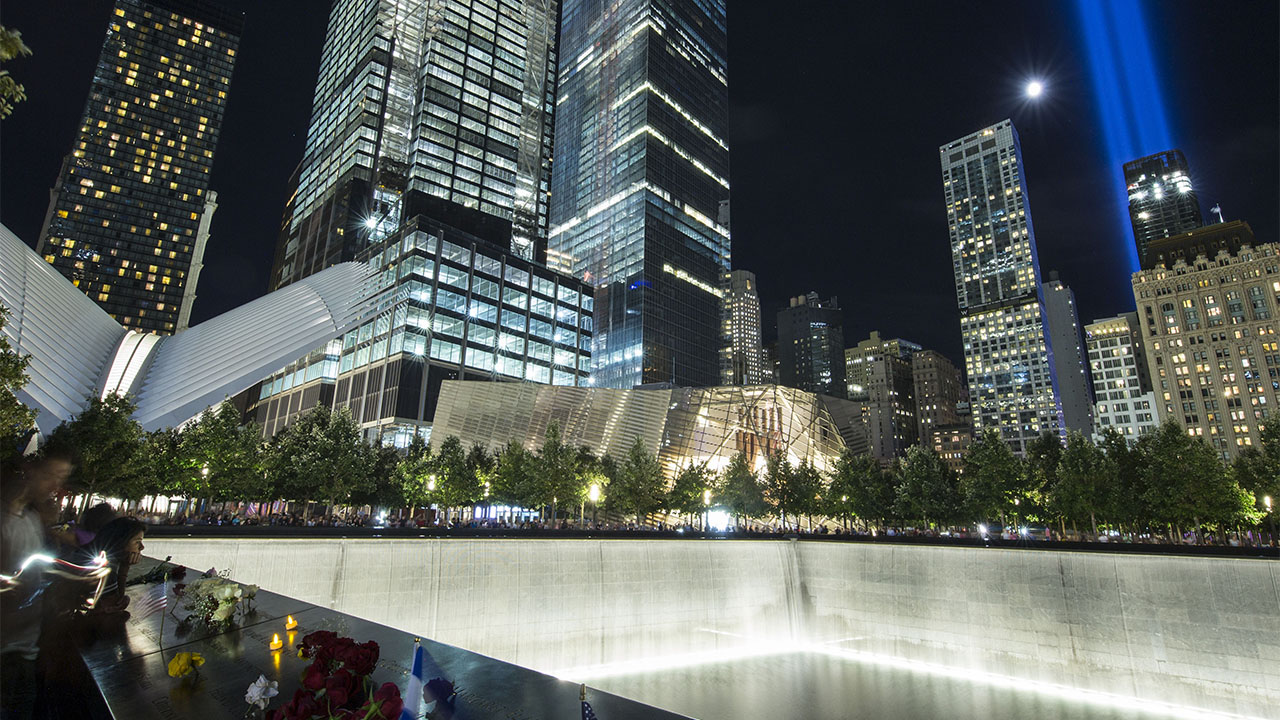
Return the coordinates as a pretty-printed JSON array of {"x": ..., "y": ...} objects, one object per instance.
[{"x": 641, "y": 166}]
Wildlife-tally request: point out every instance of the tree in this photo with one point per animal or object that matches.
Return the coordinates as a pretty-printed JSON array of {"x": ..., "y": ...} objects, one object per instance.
[
  {"x": 224, "y": 457},
  {"x": 321, "y": 455},
  {"x": 1040, "y": 473},
  {"x": 456, "y": 483},
  {"x": 779, "y": 486},
  {"x": 859, "y": 488},
  {"x": 11, "y": 91},
  {"x": 639, "y": 487},
  {"x": 1077, "y": 491},
  {"x": 1123, "y": 482},
  {"x": 15, "y": 418},
  {"x": 107, "y": 444},
  {"x": 386, "y": 487},
  {"x": 807, "y": 486},
  {"x": 164, "y": 463},
  {"x": 558, "y": 472},
  {"x": 1187, "y": 484},
  {"x": 514, "y": 476},
  {"x": 992, "y": 478},
  {"x": 691, "y": 487},
  {"x": 927, "y": 488},
  {"x": 414, "y": 473},
  {"x": 739, "y": 489},
  {"x": 1258, "y": 470}
]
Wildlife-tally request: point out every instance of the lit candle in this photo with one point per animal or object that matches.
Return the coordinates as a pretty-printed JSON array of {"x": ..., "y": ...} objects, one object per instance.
[
  {"x": 275, "y": 642},
  {"x": 290, "y": 623}
]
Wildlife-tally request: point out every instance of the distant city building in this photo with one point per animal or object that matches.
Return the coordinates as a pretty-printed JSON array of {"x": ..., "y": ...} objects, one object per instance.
[
  {"x": 859, "y": 357},
  {"x": 744, "y": 356},
  {"x": 1211, "y": 343},
  {"x": 884, "y": 386},
  {"x": 1008, "y": 362},
  {"x": 1207, "y": 241},
  {"x": 1069, "y": 358},
  {"x": 811, "y": 345},
  {"x": 128, "y": 219},
  {"x": 1162, "y": 202},
  {"x": 641, "y": 170},
  {"x": 939, "y": 392},
  {"x": 467, "y": 309},
  {"x": 951, "y": 442},
  {"x": 680, "y": 426},
  {"x": 1121, "y": 380}
]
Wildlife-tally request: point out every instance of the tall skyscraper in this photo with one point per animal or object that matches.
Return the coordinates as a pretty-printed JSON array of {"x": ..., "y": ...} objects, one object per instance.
[
  {"x": 447, "y": 101},
  {"x": 1162, "y": 201},
  {"x": 811, "y": 345},
  {"x": 129, "y": 216},
  {"x": 641, "y": 167},
  {"x": 1209, "y": 331},
  {"x": 1121, "y": 379},
  {"x": 1008, "y": 356},
  {"x": 429, "y": 156},
  {"x": 1069, "y": 357},
  {"x": 744, "y": 357}
]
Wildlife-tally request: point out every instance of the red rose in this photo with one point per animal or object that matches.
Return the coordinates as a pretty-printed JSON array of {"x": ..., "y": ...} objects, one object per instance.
[
  {"x": 304, "y": 706},
  {"x": 338, "y": 688},
  {"x": 385, "y": 704},
  {"x": 333, "y": 648},
  {"x": 359, "y": 659},
  {"x": 179, "y": 589},
  {"x": 314, "y": 677}
]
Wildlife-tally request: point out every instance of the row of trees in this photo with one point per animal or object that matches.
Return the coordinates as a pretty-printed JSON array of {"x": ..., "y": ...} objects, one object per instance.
[{"x": 1166, "y": 480}]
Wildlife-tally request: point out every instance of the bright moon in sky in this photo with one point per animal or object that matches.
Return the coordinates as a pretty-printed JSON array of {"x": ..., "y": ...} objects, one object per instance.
[{"x": 1034, "y": 89}]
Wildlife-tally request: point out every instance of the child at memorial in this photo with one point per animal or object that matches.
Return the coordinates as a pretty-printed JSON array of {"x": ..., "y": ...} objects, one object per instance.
[{"x": 121, "y": 540}]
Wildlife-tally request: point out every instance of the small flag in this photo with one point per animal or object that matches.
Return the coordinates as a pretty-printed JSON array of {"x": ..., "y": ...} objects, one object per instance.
[
  {"x": 413, "y": 692},
  {"x": 587, "y": 712},
  {"x": 155, "y": 600}
]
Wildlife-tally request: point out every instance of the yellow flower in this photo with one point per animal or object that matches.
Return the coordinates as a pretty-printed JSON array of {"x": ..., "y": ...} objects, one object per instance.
[{"x": 184, "y": 663}]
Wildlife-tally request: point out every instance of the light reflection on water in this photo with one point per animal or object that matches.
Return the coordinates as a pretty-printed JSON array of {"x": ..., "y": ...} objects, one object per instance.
[{"x": 818, "y": 686}]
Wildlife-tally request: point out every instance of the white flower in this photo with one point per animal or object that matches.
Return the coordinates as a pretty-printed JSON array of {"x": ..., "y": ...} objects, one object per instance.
[
  {"x": 250, "y": 591},
  {"x": 224, "y": 611},
  {"x": 260, "y": 692},
  {"x": 227, "y": 592}
]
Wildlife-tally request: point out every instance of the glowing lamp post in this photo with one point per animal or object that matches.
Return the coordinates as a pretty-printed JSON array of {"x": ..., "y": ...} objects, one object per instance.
[
  {"x": 706, "y": 510},
  {"x": 1266, "y": 500},
  {"x": 593, "y": 494}
]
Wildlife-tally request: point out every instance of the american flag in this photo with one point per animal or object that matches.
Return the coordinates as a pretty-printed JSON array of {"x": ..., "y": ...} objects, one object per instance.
[{"x": 155, "y": 600}]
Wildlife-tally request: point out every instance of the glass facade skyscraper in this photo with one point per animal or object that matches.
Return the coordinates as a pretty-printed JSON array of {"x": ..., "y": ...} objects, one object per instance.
[
  {"x": 1162, "y": 201},
  {"x": 1007, "y": 352},
  {"x": 129, "y": 215},
  {"x": 451, "y": 100},
  {"x": 641, "y": 167}
]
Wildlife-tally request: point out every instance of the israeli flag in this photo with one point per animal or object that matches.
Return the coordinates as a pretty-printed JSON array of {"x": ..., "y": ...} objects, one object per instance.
[{"x": 413, "y": 692}]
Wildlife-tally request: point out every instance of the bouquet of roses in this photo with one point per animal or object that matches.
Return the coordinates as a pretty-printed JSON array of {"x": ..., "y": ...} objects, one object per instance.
[
  {"x": 214, "y": 600},
  {"x": 336, "y": 685}
]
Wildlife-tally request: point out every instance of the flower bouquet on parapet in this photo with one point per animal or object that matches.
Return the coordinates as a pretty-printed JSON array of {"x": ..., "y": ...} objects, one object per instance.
[
  {"x": 214, "y": 600},
  {"x": 337, "y": 684}
]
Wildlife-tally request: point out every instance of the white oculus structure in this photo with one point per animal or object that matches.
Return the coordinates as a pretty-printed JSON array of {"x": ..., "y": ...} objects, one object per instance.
[{"x": 78, "y": 351}]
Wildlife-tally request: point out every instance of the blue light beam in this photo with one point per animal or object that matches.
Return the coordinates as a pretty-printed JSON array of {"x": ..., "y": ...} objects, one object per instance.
[{"x": 1130, "y": 103}]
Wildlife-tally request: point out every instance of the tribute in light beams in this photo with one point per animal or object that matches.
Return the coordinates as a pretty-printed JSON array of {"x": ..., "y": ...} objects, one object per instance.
[{"x": 1128, "y": 96}]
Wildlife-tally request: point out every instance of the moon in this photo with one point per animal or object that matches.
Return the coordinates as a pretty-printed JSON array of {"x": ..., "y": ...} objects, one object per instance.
[{"x": 1035, "y": 88}]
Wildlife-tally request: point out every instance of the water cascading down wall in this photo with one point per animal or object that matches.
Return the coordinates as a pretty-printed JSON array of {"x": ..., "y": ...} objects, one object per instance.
[{"x": 1194, "y": 631}]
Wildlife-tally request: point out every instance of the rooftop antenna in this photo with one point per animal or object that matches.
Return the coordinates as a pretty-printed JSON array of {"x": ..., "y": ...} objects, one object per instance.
[{"x": 1218, "y": 209}]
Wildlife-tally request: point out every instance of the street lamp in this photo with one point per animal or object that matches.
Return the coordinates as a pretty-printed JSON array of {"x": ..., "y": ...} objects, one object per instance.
[
  {"x": 1266, "y": 500},
  {"x": 593, "y": 494}
]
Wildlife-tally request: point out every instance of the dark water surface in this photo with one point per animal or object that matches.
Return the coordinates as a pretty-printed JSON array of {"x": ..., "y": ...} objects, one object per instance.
[{"x": 815, "y": 686}]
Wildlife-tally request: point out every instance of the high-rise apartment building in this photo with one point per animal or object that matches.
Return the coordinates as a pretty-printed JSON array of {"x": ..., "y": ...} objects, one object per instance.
[
  {"x": 1121, "y": 380},
  {"x": 744, "y": 356},
  {"x": 129, "y": 216},
  {"x": 1068, "y": 355},
  {"x": 939, "y": 391},
  {"x": 1208, "y": 241},
  {"x": 859, "y": 357},
  {"x": 641, "y": 169},
  {"x": 1008, "y": 356},
  {"x": 811, "y": 345},
  {"x": 417, "y": 105},
  {"x": 1162, "y": 201},
  {"x": 1210, "y": 337}
]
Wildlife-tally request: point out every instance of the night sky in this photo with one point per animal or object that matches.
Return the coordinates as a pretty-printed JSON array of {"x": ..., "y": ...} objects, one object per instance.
[{"x": 837, "y": 112}]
